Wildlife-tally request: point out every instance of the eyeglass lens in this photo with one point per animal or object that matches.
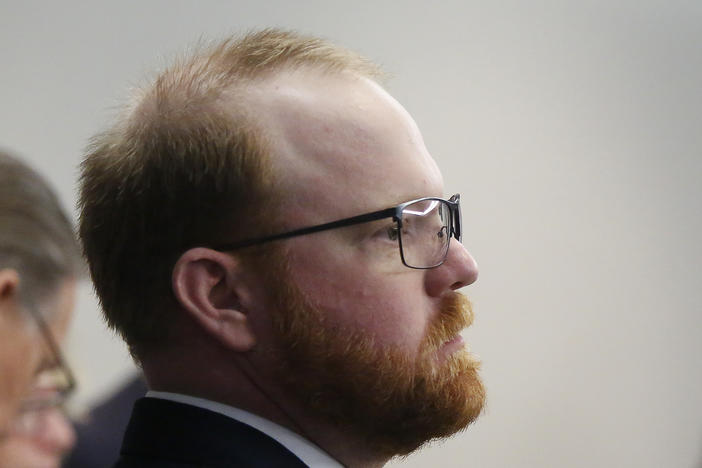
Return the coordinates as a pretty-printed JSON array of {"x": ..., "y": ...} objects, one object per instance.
[
  {"x": 45, "y": 398},
  {"x": 425, "y": 234},
  {"x": 51, "y": 388}
]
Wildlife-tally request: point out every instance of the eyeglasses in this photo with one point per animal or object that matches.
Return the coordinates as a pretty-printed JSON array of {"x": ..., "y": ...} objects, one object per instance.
[
  {"x": 32, "y": 418},
  {"x": 423, "y": 228},
  {"x": 54, "y": 383}
]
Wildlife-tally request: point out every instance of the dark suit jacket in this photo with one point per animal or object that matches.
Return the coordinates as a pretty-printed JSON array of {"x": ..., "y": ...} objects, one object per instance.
[{"x": 166, "y": 434}]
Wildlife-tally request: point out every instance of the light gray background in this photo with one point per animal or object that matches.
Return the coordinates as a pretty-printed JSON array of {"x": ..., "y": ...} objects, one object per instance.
[{"x": 572, "y": 130}]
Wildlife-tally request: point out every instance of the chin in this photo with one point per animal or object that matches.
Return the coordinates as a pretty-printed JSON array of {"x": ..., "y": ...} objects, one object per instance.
[{"x": 26, "y": 454}]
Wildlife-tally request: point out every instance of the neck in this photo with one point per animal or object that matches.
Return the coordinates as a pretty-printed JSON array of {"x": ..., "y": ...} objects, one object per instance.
[
  {"x": 348, "y": 450},
  {"x": 341, "y": 445}
]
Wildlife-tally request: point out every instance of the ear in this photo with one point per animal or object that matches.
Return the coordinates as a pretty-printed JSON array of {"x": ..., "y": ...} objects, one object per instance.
[
  {"x": 209, "y": 286},
  {"x": 9, "y": 287}
]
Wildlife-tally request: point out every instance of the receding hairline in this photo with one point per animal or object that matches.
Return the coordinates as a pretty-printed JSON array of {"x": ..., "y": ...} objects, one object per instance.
[{"x": 211, "y": 71}]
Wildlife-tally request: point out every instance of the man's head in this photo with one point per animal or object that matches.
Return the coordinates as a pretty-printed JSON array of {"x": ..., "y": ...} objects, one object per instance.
[
  {"x": 185, "y": 165},
  {"x": 39, "y": 263},
  {"x": 260, "y": 136}
]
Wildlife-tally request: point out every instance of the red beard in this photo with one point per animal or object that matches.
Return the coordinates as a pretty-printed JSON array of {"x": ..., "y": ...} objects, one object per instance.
[{"x": 391, "y": 401}]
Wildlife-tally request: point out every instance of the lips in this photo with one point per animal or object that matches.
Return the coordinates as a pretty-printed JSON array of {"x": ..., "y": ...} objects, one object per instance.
[
  {"x": 450, "y": 347},
  {"x": 455, "y": 343},
  {"x": 444, "y": 338}
]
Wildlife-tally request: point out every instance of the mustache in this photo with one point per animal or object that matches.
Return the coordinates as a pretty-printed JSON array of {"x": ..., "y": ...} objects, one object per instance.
[{"x": 455, "y": 314}]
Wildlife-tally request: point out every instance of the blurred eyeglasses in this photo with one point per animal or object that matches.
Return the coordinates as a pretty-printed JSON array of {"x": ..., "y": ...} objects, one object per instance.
[
  {"x": 54, "y": 382},
  {"x": 33, "y": 418}
]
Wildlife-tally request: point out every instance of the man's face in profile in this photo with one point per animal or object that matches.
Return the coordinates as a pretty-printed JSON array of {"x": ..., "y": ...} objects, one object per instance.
[{"x": 363, "y": 340}]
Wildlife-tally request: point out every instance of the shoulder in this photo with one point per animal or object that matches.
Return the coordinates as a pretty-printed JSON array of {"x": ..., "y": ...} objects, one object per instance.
[{"x": 165, "y": 434}]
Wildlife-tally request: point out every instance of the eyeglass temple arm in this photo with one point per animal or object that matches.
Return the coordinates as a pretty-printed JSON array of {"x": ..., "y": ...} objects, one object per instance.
[
  {"x": 364, "y": 218},
  {"x": 54, "y": 348}
]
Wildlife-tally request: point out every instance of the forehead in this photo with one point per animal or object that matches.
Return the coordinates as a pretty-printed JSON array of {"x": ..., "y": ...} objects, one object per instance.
[{"x": 341, "y": 144}]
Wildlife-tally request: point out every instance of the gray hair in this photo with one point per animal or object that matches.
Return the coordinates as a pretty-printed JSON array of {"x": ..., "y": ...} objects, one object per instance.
[{"x": 37, "y": 238}]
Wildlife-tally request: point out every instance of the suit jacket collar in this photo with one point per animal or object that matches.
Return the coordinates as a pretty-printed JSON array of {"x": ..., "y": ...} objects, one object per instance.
[{"x": 164, "y": 431}]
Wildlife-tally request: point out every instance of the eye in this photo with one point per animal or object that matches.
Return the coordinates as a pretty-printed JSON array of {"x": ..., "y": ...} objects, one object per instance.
[{"x": 387, "y": 233}]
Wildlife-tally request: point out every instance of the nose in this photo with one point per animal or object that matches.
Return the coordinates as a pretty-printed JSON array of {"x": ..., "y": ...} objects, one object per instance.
[{"x": 458, "y": 270}]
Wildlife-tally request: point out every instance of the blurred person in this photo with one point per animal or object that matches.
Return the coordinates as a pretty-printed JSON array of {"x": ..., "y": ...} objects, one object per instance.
[
  {"x": 40, "y": 263},
  {"x": 267, "y": 231}
]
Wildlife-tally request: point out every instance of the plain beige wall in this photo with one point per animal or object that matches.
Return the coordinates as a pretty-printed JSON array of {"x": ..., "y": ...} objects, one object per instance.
[{"x": 573, "y": 130}]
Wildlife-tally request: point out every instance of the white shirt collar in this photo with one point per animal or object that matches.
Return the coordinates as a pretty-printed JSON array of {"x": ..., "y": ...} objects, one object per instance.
[{"x": 305, "y": 450}]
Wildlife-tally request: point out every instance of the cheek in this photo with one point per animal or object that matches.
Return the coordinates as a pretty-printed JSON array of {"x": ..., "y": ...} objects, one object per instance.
[
  {"x": 361, "y": 294},
  {"x": 19, "y": 358}
]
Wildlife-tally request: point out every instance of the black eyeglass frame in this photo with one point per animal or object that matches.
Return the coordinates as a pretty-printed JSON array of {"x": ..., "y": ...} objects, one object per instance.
[
  {"x": 395, "y": 212},
  {"x": 31, "y": 404}
]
